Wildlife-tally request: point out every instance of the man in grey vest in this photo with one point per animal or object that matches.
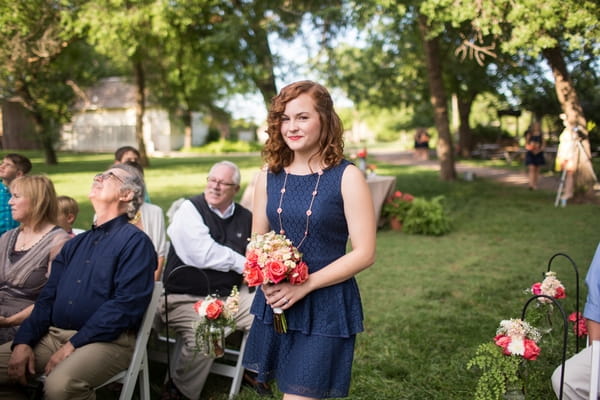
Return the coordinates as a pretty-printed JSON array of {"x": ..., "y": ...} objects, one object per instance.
[{"x": 210, "y": 232}]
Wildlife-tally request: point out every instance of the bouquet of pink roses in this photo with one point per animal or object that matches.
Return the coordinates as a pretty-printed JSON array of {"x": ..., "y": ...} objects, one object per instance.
[
  {"x": 272, "y": 258},
  {"x": 215, "y": 315},
  {"x": 517, "y": 337},
  {"x": 550, "y": 286}
]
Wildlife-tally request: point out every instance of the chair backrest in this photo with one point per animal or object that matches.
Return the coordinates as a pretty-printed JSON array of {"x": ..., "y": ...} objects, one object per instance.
[
  {"x": 180, "y": 277},
  {"x": 595, "y": 370},
  {"x": 139, "y": 359}
]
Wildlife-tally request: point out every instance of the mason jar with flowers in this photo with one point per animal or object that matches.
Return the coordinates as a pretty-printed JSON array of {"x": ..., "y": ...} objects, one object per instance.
[{"x": 396, "y": 207}]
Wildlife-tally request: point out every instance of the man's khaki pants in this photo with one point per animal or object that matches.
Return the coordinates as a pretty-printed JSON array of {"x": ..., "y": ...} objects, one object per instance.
[
  {"x": 192, "y": 368},
  {"x": 76, "y": 376}
]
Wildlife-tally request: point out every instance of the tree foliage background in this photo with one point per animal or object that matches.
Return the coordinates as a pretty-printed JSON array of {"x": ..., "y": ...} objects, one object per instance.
[{"x": 409, "y": 63}]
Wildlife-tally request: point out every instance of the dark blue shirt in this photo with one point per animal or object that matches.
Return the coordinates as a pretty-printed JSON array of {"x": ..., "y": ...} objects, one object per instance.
[
  {"x": 100, "y": 286},
  {"x": 6, "y": 220}
]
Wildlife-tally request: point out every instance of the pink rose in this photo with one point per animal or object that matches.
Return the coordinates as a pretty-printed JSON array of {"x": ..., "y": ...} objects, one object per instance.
[
  {"x": 214, "y": 309},
  {"x": 573, "y": 316},
  {"x": 582, "y": 328},
  {"x": 300, "y": 274},
  {"x": 560, "y": 293},
  {"x": 531, "y": 350},
  {"x": 503, "y": 341},
  {"x": 253, "y": 275},
  {"x": 276, "y": 271},
  {"x": 536, "y": 288},
  {"x": 251, "y": 257}
]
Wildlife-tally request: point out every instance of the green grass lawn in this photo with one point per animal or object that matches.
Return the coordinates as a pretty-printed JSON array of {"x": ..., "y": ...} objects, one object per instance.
[{"x": 428, "y": 301}]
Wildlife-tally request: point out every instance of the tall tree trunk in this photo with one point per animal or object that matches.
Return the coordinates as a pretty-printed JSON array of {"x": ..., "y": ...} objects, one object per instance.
[
  {"x": 140, "y": 109},
  {"x": 258, "y": 41},
  {"x": 439, "y": 102},
  {"x": 40, "y": 125},
  {"x": 42, "y": 131},
  {"x": 465, "y": 134},
  {"x": 569, "y": 101},
  {"x": 266, "y": 81}
]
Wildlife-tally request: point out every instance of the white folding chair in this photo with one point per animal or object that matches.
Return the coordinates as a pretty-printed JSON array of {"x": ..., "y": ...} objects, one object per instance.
[
  {"x": 595, "y": 370},
  {"x": 230, "y": 365},
  {"x": 138, "y": 367}
]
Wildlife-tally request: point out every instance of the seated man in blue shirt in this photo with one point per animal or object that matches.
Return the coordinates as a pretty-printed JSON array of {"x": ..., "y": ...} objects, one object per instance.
[
  {"x": 82, "y": 329},
  {"x": 578, "y": 368}
]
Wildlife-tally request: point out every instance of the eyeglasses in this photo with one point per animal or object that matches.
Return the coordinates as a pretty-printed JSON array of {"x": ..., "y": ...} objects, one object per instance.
[
  {"x": 216, "y": 182},
  {"x": 106, "y": 175}
]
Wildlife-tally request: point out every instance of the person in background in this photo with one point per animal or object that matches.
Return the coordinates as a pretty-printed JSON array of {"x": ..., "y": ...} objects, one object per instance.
[
  {"x": 27, "y": 251},
  {"x": 82, "y": 329},
  {"x": 534, "y": 158},
  {"x": 319, "y": 200},
  {"x": 421, "y": 144},
  {"x": 566, "y": 158},
  {"x": 208, "y": 231},
  {"x": 67, "y": 214},
  {"x": 13, "y": 165},
  {"x": 130, "y": 154},
  {"x": 577, "y": 368},
  {"x": 127, "y": 153},
  {"x": 151, "y": 219}
]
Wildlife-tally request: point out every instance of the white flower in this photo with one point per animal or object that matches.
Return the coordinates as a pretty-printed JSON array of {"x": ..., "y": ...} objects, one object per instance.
[{"x": 516, "y": 346}]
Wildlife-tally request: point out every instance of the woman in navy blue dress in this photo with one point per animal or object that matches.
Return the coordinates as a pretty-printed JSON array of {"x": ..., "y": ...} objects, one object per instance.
[{"x": 310, "y": 193}]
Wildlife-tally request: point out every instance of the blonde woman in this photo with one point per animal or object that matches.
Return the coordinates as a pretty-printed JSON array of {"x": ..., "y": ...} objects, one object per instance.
[{"x": 27, "y": 251}]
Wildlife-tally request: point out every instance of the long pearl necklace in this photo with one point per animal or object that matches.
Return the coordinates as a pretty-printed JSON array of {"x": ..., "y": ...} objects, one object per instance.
[{"x": 308, "y": 211}]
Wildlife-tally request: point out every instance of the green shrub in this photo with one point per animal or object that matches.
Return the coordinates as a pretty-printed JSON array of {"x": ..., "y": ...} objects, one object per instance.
[
  {"x": 427, "y": 217},
  {"x": 497, "y": 371},
  {"x": 490, "y": 134}
]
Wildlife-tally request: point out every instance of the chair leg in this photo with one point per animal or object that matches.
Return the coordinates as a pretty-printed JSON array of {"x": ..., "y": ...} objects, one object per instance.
[
  {"x": 144, "y": 380},
  {"x": 236, "y": 383}
]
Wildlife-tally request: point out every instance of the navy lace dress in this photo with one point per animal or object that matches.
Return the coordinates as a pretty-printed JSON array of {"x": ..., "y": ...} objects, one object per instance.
[{"x": 314, "y": 358}]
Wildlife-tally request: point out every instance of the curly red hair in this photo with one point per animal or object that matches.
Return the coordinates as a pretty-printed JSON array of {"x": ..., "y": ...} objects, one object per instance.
[{"x": 277, "y": 154}]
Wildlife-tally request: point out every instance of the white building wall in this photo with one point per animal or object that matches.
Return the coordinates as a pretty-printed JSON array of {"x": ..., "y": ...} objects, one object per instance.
[{"x": 107, "y": 130}]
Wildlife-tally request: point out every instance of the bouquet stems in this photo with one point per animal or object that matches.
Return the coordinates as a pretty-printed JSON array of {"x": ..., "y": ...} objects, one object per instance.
[{"x": 279, "y": 322}]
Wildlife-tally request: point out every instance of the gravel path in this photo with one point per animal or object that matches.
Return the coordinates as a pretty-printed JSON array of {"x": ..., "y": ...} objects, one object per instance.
[{"x": 547, "y": 181}]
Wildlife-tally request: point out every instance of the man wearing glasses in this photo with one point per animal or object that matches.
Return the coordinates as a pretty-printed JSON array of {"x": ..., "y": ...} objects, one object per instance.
[
  {"x": 208, "y": 231},
  {"x": 82, "y": 328}
]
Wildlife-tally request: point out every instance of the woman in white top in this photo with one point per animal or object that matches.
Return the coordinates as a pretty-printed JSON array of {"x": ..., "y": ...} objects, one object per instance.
[{"x": 150, "y": 218}]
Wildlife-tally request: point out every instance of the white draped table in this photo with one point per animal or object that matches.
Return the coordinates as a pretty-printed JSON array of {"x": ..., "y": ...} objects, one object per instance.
[{"x": 381, "y": 188}]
